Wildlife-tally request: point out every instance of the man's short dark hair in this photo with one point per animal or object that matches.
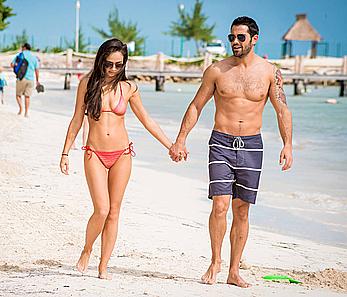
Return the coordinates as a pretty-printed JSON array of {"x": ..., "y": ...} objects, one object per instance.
[
  {"x": 253, "y": 28},
  {"x": 27, "y": 46}
]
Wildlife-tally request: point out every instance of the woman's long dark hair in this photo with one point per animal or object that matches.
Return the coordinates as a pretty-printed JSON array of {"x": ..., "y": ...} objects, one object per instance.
[{"x": 97, "y": 78}]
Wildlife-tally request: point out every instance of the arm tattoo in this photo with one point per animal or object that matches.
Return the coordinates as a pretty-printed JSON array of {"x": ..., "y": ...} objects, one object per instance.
[
  {"x": 284, "y": 118},
  {"x": 279, "y": 92}
]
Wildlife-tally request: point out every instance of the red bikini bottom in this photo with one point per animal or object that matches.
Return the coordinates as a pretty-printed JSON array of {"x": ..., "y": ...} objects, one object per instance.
[{"x": 108, "y": 159}]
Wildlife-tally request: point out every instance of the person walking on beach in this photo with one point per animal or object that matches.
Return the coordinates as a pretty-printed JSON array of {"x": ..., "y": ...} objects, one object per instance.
[
  {"x": 3, "y": 84},
  {"x": 241, "y": 85},
  {"x": 79, "y": 65},
  {"x": 25, "y": 85},
  {"x": 104, "y": 95}
]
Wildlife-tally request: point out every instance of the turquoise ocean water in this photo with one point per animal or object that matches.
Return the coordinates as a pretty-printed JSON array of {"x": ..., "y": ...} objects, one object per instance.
[{"x": 309, "y": 201}]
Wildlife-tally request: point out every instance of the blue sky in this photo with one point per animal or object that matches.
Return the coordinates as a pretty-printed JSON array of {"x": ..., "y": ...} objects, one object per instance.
[{"x": 49, "y": 22}]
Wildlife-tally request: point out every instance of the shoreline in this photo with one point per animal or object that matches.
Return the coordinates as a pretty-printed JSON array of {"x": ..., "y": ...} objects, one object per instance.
[{"x": 163, "y": 247}]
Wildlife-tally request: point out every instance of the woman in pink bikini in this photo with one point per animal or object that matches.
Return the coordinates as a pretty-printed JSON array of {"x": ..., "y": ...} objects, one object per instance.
[{"x": 104, "y": 95}]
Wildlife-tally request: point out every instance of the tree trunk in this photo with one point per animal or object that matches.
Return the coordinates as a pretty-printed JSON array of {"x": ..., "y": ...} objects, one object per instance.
[{"x": 197, "y": 47}]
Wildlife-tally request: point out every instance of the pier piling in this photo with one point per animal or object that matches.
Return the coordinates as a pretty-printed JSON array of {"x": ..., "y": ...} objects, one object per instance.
[
  {"x": 159, "y": 79},
  {"x": 67, "y": 81}
]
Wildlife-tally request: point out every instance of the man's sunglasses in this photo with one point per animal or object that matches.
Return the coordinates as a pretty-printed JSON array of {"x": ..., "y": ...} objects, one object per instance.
[
  {"x": 240, "y": 37},
  {"x": 109, "y": 65}
]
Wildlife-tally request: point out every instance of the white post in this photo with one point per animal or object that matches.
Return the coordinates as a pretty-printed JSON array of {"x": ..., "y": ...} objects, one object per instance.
[
  {"x": 344, "y": 72},
  {"x": 302, "y": 65},
  {"x": 78, "y": 5},
  {"x": 160, "y": 66},
  {"x": 69, "y": 53},
  {"x": 344, "y": 65},
  {"x": 67, "y": 82},
  {"x": 207, "y": 60},
  {"x": 181, "y": 8},
  {"x": 299, "y": 65},
  {"x": 160, "y": 62}
]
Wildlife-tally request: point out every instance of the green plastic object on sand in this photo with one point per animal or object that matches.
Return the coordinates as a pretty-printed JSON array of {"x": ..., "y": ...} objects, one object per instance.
[{"x": 279, "y": 278}]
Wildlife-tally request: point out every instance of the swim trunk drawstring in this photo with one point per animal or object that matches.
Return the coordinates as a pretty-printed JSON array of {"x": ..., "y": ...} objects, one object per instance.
[{"x": 238, "y": 143}]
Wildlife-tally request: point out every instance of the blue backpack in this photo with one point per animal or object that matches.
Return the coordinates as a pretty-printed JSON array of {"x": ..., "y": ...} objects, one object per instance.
[
  {"x": 2, "y": 83},
  {"x": 20, "y": 66}
]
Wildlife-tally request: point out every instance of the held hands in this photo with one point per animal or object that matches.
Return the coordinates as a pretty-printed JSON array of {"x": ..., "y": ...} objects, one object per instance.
[
  {"x": 178, "y": 152},
  {"x": 286, "y": 158},
  {"x": 64, "y": 164}
]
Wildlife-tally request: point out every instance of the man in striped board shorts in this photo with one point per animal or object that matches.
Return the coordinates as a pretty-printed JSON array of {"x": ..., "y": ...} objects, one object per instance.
[{"x": 241, "y": 85}]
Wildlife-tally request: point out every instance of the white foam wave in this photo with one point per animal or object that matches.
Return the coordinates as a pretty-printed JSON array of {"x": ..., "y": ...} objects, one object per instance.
[{"x": 308, "y": 201}]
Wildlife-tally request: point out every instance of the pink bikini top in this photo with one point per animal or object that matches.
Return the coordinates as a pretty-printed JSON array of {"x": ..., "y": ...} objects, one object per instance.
[{"x": 121, "y": 107}]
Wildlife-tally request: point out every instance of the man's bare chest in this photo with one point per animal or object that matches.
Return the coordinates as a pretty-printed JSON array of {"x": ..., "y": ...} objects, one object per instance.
[{"x": 252, "y": 86}]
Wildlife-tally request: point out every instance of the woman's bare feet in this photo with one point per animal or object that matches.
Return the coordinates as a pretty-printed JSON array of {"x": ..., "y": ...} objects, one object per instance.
[
  {"x": 82, "y": 264},
  {"x": 236, "y": 280},
  {"x": 211, "y": 274},
  {"x": 105, "y": 275}
]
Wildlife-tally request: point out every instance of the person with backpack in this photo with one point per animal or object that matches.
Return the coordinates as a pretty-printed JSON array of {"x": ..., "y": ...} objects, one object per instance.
[
  {"x": 26, "y": 66},
  {"x": 3, "y": 83}
]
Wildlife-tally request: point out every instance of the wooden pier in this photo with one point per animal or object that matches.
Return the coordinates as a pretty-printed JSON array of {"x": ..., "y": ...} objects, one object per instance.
[
  {"x": 299, "y": 81},
  {"x": 305, "y": 79}
]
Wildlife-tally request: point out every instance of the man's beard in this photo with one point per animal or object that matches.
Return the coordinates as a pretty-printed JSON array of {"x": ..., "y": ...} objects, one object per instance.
[{"x": 242, "y": 51}]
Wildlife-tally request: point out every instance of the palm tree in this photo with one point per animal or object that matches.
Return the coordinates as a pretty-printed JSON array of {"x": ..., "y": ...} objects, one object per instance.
[
  {"x": 82, "y": 44},
  {"x": 193, "y": 26},
  {"x": 126, "y": 32},
  {"x": 5, "y": 12},
  {"x": 20, "y": 40}
]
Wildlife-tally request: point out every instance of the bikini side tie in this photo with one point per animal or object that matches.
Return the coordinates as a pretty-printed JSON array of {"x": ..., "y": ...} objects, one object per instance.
[{"x": 130, "y": 150}]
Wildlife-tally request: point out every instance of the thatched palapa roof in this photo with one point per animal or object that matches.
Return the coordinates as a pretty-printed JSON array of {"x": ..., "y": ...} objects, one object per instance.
[{"x": 302, "y": 30}]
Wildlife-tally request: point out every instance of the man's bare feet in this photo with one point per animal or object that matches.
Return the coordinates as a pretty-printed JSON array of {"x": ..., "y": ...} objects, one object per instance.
[
  {"x": 26, "y": 115},
  {"x": 82, "y": 264},
  {"x": 236, "y": 280},
  {"x": 105, "y": 275},
  {"x": 211, "y": 274},
  {"x": 19, "y": 112}
]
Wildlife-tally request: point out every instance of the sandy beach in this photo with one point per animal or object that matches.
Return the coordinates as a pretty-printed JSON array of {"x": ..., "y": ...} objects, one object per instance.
[{"x": 163, "y": 244}]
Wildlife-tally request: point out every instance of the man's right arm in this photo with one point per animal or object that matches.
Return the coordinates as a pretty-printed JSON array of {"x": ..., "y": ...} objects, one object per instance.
[
  {"x": 37, "y": 76},
  {"x": 193, "y": 112},
  {"x": 36, "y": 66}
]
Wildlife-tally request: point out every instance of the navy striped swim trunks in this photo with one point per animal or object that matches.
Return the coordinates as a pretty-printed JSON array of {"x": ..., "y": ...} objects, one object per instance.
[{"x": 235, "y": 164}]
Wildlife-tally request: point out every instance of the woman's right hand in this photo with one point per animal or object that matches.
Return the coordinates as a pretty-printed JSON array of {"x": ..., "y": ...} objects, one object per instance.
[
  {"x": 178, "y": 151},
  {"x": 64, "y": 164}
]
